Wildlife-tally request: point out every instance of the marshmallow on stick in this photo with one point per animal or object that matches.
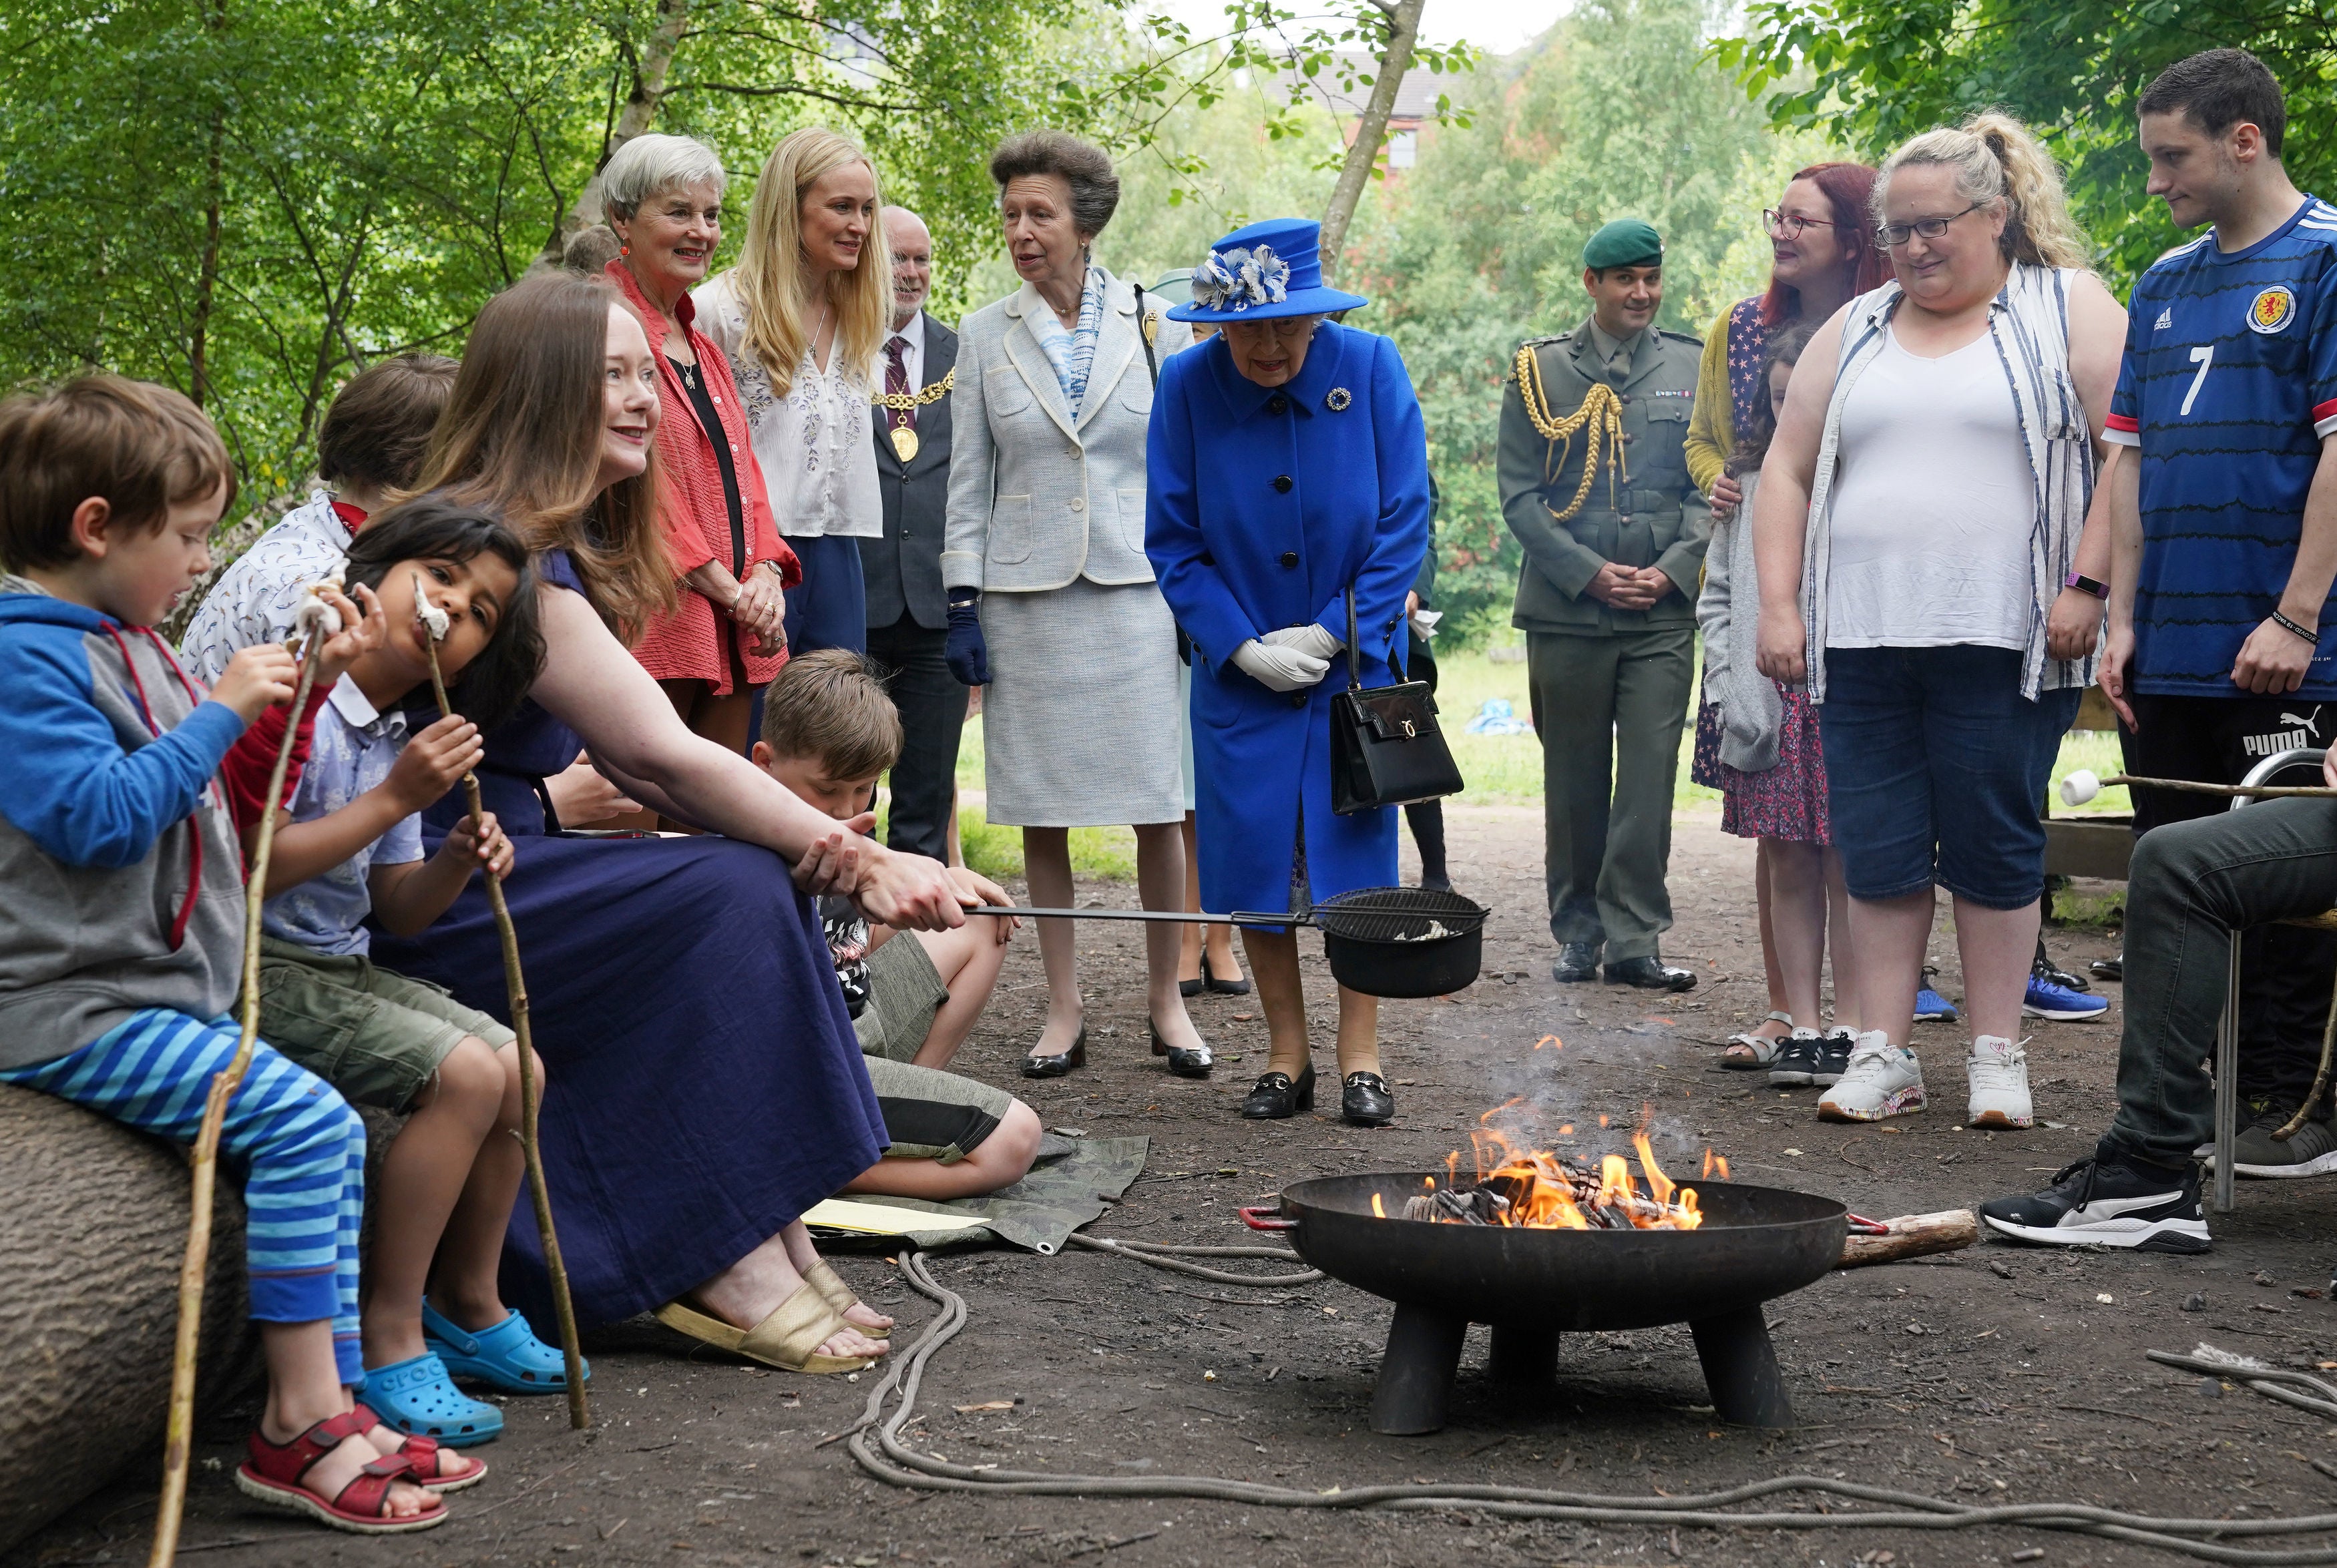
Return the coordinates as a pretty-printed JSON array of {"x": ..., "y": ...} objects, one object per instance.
[
  {"x": 2080, "y": 787},
  {"x": 434, "y": 618},
  {"x": 314, "y": 614}
]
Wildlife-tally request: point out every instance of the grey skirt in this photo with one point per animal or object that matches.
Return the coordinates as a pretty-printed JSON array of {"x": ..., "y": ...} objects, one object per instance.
[{"x": 1080, "y": 722}]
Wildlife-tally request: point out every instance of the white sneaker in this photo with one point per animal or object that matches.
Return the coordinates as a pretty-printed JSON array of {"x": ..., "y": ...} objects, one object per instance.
[
  {"x": 1882, "y": 1080},
  {"x": 1998, "y": 1070}
]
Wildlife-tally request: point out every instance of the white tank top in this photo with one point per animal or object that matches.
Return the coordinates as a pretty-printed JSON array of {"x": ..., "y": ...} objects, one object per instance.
[{"x": 1933, "y": 506}]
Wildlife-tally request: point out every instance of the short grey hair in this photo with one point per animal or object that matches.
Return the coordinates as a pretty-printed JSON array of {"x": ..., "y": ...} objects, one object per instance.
[
  {"x": 1082, "y": 165},
  {"x": 647, "y": 165}
]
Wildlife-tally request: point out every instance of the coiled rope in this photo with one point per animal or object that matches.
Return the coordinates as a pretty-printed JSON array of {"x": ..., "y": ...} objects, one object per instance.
[
  {"x": 1601, "y": 410},
  {"x": 875, "y": 1445}
]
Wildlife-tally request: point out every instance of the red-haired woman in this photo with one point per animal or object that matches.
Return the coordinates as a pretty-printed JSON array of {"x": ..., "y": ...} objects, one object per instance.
[{"x": 1821, "y": 240}]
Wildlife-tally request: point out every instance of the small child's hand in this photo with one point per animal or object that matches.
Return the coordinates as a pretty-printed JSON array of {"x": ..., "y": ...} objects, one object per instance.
[
  {"x": 361, "y": 633},
  {"x": 490, "y": 846},
  {"x": 435, "y": 762},
  {"x": 257, "y": 680}
]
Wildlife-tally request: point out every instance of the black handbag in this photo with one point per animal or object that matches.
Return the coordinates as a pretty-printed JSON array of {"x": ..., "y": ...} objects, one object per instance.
[{"x": 1385, "y": 748}]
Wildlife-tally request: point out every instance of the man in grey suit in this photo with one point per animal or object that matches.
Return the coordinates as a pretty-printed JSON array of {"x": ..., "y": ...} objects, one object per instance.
[{"x": 908, "y": 615}]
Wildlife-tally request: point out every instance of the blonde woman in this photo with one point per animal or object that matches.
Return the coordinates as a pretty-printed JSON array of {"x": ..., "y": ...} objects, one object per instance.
[
  {"x": 802, "y": 318},
  {"x": 1917, "y": 512}
]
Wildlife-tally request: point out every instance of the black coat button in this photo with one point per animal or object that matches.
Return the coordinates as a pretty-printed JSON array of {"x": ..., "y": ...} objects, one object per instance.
[
  {"x": 1282, "y": 484},
  {"x": 1289, "y": 558},
  {"x": 1277, "y": 403},
  {"x": 1298, "y": 700},
  {"x": 1627, "y": 398},
  {"x": 1629, "y": 439}
]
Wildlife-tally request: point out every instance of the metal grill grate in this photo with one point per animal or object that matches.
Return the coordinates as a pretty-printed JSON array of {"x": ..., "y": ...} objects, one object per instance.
[{"x": 1398, "y": 915}]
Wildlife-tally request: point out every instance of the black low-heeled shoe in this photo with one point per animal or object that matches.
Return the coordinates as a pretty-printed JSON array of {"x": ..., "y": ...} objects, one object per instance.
[
  {"x": 1223, "y": 988},
  {"x": 1038, "y": 1067},
  {"x": 1365, "y": 1100},
  {"x": 1193, "y": 988},
  {"x": 1194, "y": 1063},
  {"x": 1278, "y": 1096}
]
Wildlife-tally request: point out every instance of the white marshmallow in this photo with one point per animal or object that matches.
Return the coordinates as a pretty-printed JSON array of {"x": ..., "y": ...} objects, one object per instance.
[
  {"x": 2079, "y": 787},
  {"x": 430, "y": 614},
  {"x": 313, "y": 613}
]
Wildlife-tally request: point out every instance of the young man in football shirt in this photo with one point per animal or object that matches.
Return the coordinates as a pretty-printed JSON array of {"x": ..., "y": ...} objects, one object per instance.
[{"x": 2221, "y": 546}]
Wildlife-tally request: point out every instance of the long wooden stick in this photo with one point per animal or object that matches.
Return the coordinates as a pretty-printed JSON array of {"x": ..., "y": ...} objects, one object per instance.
[
  {"x": 179, "y": 1432},
  {"x": 580, "y": 1415},
  {"x": 2253, "y": 792}
]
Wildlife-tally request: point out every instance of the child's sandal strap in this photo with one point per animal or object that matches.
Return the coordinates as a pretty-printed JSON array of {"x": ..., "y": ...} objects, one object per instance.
[{"x": 368, "y": 1492}]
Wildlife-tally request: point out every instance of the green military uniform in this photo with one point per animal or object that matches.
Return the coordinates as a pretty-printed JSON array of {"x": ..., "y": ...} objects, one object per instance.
[{"x": 1610, "y": 686}]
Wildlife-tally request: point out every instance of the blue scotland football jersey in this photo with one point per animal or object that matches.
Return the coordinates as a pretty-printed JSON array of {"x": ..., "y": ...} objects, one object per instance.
[{"x": 2228, "y": 384}]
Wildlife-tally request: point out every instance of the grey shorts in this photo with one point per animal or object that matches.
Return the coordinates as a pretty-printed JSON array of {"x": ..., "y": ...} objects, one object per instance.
[
  {"x": 904, "y": 992},
  {"x": 930, "y": 1114},
  {"x": 376, "y": 1036}
]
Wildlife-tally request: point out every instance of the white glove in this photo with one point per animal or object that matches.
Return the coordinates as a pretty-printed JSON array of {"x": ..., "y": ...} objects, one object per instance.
[
  {"x": 1280, "y": 668},
  {"x": 1310, "y": 639}
]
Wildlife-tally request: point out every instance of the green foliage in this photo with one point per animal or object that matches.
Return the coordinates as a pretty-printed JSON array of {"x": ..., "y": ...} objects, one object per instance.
[
  {"x": 1876, "y": 72},
  {"x": 1619, "y": 112}
]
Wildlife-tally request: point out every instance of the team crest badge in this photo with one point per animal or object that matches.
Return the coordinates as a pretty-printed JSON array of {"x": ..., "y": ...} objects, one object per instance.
[{"x": 2271, "y": 310}]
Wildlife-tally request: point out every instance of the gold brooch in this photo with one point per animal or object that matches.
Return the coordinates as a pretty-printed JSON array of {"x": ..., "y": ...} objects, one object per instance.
[{"x": 1339, "y": 399}]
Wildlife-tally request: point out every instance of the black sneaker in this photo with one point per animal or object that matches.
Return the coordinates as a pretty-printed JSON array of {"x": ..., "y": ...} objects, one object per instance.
[
  {"x": 2106, "y": 1204},
  {"x": 1834, "y": 1055},
  {"x": 1796, "y": 1061}
]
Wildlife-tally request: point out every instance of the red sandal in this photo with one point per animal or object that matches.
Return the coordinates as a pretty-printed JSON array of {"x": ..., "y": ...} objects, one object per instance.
[
  {"x": 273, "y": 1475},
  {"x": 424, "y": 1453}
]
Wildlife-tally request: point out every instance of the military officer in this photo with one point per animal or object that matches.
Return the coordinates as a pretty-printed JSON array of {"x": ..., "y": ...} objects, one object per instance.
[{"x": 1595, "y": 485}]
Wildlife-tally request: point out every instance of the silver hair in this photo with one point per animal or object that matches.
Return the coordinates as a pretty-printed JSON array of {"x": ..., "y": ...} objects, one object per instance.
[{"x": 649, "y": 164}]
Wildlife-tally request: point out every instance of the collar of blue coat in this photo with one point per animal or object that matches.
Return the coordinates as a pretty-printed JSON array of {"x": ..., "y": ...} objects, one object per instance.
[{"x": 1306, "y": 390}]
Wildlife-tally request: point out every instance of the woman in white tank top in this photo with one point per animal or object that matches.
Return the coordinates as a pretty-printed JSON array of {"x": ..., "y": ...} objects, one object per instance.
[{"x": 1917, "y": 512}]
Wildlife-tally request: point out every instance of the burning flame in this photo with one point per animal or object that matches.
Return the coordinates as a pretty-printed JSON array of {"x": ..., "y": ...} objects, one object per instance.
[
  {"x": 1716, "y": 1165},
  {"x": 1379, "y": 1210},
  {"x": 1552, "y": 1041},
  {"x": 1516, "y": 1184}
]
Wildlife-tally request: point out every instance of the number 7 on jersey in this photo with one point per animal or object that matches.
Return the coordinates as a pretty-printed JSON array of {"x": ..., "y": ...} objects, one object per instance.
[{"x": 2203, "y": 356}]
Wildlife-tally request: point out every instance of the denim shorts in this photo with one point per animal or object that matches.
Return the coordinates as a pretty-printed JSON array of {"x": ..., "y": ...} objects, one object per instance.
[{"x": 1936, "y": 770}]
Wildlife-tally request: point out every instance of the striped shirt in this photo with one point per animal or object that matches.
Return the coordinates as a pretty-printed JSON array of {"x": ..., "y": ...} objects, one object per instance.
[{"x": 2228, "y": 384}]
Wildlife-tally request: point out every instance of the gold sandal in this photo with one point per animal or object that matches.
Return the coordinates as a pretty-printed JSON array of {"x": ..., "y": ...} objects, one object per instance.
[
  {"x": 838, "y": 1295},
  {"x": 788, "y": 1338}
]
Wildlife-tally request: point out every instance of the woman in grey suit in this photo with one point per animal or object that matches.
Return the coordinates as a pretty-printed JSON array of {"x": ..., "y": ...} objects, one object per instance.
[{"x": 1053, "y": 604}]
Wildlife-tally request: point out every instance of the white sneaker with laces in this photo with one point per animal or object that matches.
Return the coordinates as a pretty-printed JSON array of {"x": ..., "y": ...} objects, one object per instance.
[
  {"x": 1882, "y": 1080},
  {"x": 1998, "y": 1071}
]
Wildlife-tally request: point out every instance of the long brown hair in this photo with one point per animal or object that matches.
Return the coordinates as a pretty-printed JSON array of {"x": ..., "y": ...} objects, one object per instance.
[
  {"x": 1848, "y": 189},
  {"x": 521, "y": 436},
  {"x": 1785, "y": 345}
]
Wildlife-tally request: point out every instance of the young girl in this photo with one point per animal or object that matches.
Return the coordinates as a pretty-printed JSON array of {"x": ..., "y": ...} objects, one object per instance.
[
  {"x": 1757, "y": 743},
  {"x": 351, "y": 847}
]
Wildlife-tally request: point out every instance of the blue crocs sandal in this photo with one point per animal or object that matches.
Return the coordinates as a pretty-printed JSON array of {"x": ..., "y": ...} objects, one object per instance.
[
  {"x": 419, "y": 1397},
  {"x": 508, "y": 1356}
]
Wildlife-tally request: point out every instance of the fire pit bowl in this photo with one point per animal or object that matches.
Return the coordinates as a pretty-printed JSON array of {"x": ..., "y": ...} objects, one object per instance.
[{"x": 1531, "y": 1284}]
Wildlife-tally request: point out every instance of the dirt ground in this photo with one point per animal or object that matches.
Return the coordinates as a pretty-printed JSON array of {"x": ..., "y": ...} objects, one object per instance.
[{"x": 2001, "y": 1373}]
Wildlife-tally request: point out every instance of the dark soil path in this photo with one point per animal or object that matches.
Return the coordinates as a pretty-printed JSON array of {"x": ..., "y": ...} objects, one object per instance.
[{"x": 2001, "y": 1373}]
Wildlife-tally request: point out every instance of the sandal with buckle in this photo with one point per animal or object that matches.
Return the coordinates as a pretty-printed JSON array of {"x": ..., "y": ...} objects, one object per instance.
[
  {"x": 1759, "y": 1050},
  {"x": 838, "y": 1295},
  {"x": 788, "y": 1338},
  {"x": 429, "y": 1469},
  {"x": 272, "y": 1476},
  {"x": 508, "y": 1356},
  {"x": 416, "y": 1396}
]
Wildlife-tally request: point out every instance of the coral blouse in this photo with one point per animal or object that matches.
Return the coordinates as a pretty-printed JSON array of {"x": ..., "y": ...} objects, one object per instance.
[{"x": 695, "y": 642}]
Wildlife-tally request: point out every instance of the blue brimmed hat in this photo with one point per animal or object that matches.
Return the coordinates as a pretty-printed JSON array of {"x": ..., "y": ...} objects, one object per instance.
[{"x": 1269, "y": 269}]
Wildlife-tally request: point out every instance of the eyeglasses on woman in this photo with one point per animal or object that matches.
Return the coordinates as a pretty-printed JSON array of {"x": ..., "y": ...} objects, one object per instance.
[
  {"x": 1789, "y": 225},
  {"x": 1891, "y": 236}
]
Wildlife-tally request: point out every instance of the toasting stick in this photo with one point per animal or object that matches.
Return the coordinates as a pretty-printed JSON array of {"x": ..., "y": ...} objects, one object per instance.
[
  {"x": 179, "y": 1430},
  {"x": 2082, "y": 786},
  {"x": 434, "y": 622}
]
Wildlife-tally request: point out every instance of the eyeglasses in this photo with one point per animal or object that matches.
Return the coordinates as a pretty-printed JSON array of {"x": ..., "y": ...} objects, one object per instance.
[
  {"x": 1891, "y": 236},
  {"x": 1789, "y": 225}
]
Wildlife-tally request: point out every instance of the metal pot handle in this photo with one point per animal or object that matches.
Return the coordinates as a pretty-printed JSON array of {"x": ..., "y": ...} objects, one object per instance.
[{"x": 1260, "y": 1217}]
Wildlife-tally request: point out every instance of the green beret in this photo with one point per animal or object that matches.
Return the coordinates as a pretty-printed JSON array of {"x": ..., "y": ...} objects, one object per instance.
[{"x": 1626, "y": 242}]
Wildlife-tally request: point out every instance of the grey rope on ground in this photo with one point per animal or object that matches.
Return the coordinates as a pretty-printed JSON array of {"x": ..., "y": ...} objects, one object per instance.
[
  {"x": 877, "y": 1447},
  {"x": 1161, "y": 1255},
  {"x": 2258, "y": 1377}
]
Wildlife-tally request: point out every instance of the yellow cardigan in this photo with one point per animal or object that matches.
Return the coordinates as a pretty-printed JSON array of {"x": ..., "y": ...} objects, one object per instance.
[{"x": 1711, "y": 421}]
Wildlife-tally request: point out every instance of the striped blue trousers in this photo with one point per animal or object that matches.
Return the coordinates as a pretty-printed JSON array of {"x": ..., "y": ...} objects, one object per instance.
[{"x": 300, "y": 1147}]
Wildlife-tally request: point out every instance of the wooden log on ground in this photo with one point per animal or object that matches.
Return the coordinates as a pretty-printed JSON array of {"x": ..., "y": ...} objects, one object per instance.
[{"x": 1912, "y": 1236}]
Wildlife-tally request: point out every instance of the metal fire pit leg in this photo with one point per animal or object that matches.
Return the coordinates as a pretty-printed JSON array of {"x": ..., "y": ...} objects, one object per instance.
[
  {"x": 1523, "y": 1366},
  {"x": 1740, "y": 1368},
  {"x": 1416, "y": 1371}
]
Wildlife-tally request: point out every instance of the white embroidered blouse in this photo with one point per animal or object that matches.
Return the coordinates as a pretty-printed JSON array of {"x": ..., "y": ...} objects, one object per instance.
[{"x": 817, "y": 444}]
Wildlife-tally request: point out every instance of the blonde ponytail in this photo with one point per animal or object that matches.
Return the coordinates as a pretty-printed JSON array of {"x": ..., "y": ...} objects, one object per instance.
[{"x": 1995, "y": 159}]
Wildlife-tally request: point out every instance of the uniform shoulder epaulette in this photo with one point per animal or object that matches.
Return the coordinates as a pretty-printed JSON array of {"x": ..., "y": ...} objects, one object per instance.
[
  {"x": 1511, "y": 375},
  {"x": 1690, "y": 338}
]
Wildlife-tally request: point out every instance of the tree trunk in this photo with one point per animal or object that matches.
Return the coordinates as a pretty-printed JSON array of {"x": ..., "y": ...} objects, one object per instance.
[
  {"x": 1396, "y": 59},
  {"x": 207, "y": 276},
  {"x": 650, "y": 69}
]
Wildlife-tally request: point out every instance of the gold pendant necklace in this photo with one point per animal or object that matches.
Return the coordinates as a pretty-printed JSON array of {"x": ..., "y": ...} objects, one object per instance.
[{"x": 904, "y": 442}]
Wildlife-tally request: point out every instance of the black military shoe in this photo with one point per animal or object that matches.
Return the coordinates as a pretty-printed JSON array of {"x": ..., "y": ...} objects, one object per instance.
[
  {"x": 1365, "y": 1100},
  {"x": 1649, "y": 973},
  {"x": 1576, "y": 962}
]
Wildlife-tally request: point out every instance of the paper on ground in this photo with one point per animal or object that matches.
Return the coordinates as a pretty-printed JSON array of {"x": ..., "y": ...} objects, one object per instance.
[{"x": 884, "y": 1219}]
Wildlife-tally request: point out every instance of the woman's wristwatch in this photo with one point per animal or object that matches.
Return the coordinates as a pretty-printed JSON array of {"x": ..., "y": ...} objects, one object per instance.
[{"x": 2084, "y": 584}]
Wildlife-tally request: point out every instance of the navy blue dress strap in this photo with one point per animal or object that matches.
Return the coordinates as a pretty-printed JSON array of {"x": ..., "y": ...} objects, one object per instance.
[{"x": 522, "y": 751}]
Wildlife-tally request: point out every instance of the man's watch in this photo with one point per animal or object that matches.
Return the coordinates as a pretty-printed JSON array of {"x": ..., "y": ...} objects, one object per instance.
[{"x": 2084, "y": 584}]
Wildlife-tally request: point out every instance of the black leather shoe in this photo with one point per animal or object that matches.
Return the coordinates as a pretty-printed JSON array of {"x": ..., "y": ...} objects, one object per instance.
[
  {"x": 1038, "y": 1067},
  {"x": 1278, "y": 1096},
  {"x": 1223, "y": 988},
  {"x": 1365, "y": 1100},
  {"x": 1649, "y": 973},
  {"x": 2111, "y": 969},
  {"x": 1195, "y": 1063},
  {"x": 1189, "y": 987},
  {"x": 1576, "y": 962}
]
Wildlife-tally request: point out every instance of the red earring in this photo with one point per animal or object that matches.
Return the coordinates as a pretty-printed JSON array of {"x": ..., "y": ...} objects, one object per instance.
[{"x": 624, "y": 250}]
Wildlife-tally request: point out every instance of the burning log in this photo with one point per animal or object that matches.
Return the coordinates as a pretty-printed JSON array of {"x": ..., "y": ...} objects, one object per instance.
[
  {"x": 1477, "y": 1206},
  {"x": 1540, "y": 1189}
]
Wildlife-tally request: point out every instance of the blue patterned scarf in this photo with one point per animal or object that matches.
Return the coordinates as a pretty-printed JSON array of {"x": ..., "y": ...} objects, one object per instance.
[{"x": 1073, "y": 352}]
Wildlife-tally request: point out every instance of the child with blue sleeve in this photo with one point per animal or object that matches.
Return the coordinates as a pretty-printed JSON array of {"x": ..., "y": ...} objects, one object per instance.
[{"x": 122, "y": 933}]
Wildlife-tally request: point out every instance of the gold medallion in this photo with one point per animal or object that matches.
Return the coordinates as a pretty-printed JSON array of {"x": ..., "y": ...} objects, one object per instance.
[{"x": 904, "y": 442}]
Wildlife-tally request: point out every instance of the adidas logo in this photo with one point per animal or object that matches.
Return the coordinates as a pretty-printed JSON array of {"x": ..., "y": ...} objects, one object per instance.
[{"x": 2165, "y": 319}]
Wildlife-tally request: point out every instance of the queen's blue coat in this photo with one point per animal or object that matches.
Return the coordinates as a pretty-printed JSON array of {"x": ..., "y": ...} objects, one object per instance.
[{"x": 1265, "y": 503}]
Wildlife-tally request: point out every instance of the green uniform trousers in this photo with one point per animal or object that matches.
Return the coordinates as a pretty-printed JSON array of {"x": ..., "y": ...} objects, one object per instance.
[{"x": 1608, "y": 710}]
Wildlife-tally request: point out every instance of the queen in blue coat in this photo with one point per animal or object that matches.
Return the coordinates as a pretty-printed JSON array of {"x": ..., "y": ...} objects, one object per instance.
[{"x": 1286, "y": 465}]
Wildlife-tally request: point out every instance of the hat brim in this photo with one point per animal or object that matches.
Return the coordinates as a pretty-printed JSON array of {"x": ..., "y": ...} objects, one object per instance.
[{"x": 1303, "y": 302}]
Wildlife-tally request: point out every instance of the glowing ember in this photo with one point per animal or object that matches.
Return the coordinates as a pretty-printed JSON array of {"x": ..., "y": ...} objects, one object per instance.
[{"x": 1522, "y": 1186}]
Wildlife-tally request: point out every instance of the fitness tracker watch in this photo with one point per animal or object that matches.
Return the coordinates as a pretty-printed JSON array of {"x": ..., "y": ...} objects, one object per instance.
[{"x": 2084, "y": 584}]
